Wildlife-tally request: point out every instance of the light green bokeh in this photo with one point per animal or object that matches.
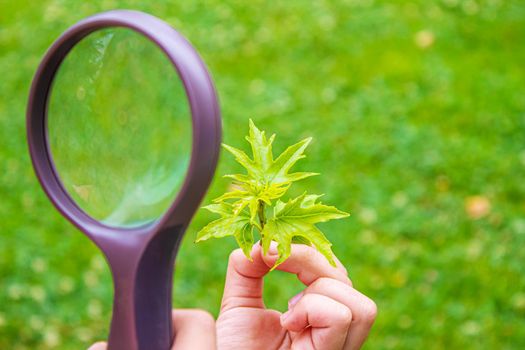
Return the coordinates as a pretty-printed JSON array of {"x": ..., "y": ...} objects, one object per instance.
[{"x": 119, "y": 127}]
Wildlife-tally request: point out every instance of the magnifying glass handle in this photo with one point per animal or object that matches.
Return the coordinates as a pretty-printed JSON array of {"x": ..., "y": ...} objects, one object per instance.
[{"x": 142, "y": 293}]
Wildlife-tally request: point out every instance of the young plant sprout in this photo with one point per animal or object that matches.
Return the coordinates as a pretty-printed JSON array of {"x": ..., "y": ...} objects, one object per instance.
[{"x": 254, "y": 203}]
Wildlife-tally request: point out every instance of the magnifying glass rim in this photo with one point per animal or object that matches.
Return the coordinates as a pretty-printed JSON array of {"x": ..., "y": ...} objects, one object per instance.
[
  {"x": 204, "y": 109},
  {"x": 50, "y": 153}
]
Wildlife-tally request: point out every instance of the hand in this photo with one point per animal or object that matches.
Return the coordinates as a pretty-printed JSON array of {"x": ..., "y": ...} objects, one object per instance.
[
  {"x": 328, "y": 315},
  {"x": 194, "y": 330}
]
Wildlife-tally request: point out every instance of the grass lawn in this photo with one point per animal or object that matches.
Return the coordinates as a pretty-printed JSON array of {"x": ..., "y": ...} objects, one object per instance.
[{"x": 417, "y": 110}]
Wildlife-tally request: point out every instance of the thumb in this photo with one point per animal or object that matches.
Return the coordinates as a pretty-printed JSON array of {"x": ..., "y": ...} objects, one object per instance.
[{"x": 244, "y": 280}]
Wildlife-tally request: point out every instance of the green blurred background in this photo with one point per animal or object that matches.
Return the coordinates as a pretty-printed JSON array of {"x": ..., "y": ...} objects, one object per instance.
[{"x": 417, "y": 110}]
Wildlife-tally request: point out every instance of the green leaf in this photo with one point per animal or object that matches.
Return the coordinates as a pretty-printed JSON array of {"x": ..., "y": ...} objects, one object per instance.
[
  {"x": 266, "y": 179},
  {"x": 243, "y": 159},
  {"x": 296, "y": 219},
  {"x": 252, "y": 195},
  {"x": 257, "y": 192},
  {"x": 278, "y": 171},
  {"x": 301, "y": 240},
  {"x": 261, "y": 147},
  {"x": 305, "y": 208},
  {"x": 229, "y": 225},
  {"x": 262, "y": 168}
]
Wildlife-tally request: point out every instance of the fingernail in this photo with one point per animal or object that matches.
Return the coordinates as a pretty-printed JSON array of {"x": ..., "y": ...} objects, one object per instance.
[
  {"x": 285, "y": 315},
  {"x": 294, "y": 300},
  {"x": 255, "y": 246},
  {"x": 273, "y": 249}
]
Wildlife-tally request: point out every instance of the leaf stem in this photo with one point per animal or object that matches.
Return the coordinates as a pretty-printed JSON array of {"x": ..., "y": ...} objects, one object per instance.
[{"x": 262, "y": 218}]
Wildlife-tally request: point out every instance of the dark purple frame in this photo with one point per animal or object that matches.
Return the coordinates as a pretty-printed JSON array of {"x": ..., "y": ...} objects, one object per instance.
[{"x": 141, "y": 258}]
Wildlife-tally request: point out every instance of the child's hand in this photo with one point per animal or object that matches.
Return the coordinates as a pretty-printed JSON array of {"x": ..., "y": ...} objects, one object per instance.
[{"x": 328, "y": 315}]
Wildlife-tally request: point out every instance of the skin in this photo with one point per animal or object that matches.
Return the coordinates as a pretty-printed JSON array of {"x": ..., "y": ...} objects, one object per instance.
[{"x": 329, "y": 314}]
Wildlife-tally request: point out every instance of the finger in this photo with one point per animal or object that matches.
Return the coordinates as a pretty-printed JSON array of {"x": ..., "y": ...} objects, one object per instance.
[
  {"x": 307, "y": 263},
  {"x": 99, "y": 346},
  {"x": 244, "y": 280},
  {"x": 343, "y": 269},
  {"x": 194, "y": 330},
  {"x": 323, "y": 322},
  {"x": 364, "y": 310}
]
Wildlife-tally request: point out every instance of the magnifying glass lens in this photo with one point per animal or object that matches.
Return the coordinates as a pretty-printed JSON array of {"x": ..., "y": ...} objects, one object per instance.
[{"x": 119, "y": 128}]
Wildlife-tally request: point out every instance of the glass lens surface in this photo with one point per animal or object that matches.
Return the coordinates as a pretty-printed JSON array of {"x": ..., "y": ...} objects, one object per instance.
[{"x": 119, "y": 128}]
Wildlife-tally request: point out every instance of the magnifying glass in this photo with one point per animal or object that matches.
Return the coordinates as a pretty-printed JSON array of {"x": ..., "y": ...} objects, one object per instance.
[{"x": 124, "y": 130}]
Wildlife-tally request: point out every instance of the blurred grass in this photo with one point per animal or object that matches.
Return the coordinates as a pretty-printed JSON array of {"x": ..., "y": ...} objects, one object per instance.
[{"x": 417, "y": 110}]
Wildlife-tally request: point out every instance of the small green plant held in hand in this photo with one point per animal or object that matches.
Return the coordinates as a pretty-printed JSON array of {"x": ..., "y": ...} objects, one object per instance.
[{"x": 255, "y": 203}]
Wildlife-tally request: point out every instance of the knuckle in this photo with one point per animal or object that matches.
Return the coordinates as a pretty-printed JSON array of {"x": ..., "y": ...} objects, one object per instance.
[
  {"x": 321, "y": 283},
  {"x": 369, "y": 311}
]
